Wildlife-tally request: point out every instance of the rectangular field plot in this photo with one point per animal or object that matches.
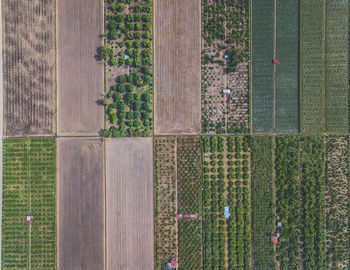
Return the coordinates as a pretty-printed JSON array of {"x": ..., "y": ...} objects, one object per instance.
[
  {"x": 262, "y": 202},
  {"x": 336, "y": 70},
  {"x": 165, "y": 223},
  {"x": 79, "y": 74},
  {"x": 189, "y": 197},
  {"x": 129, "y": 204},
  {"x": 29, "y": 188},
  {"x": 287, "y": 84},
  {"x": 81, "y": 219},
  {"x": 262, "y": 67},
  {"x": 177, "y": 67},
  {"x": 312, "y": 95},
  {"x": 226, "y": 183},
  {"x": 29, "y": 75}
]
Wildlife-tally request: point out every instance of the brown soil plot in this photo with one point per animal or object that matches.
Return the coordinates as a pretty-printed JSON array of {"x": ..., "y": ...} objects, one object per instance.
[
  {"x": 177, "y": 66},
  {"x": 81, "y": 204},
  {"x": 129, "y": 204},
  {"x": 29, "y": 59},
  {"x": 79, "y": 74}
]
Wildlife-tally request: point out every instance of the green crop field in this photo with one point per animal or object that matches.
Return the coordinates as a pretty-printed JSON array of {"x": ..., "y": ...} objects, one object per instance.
[
  {"x": 287, "y": 84},
  {"x": 336, "y": 66},
  {"x": 226, "y": 166},
  {"x": 262, "y": 202},
  {"x": 29, "y": 187},
  {"x": 312, "y": 109},
  {"x": 262, "y": 67}
]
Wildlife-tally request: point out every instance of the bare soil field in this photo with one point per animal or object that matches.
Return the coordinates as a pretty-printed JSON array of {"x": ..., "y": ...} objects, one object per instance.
[
  {"x": 177, "y": 67},
  {"x": 79, "y": 74},
  {"x": 129, "y": 204},
  {"x": 81, "y": 219},
  {"x": 29, "y": 59}
]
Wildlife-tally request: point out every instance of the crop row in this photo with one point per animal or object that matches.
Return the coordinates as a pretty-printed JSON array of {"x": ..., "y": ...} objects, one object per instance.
[
  {"x": 262, "y": 202},
  {"x": 226, "y": 176},
  {"x": 165, "y": 200},
  {"x": 337, "y": 202},
  {"x": 189, "y": 195},
  {"x": 29, "y": 187}
]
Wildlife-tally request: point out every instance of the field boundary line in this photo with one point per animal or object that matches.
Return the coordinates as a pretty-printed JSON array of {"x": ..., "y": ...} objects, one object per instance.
[{"x": 251, "y": 65}]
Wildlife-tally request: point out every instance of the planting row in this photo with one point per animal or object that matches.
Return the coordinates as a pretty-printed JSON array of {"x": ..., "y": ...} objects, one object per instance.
[
  {"x": 254, "y": 201},
  {"x": 29, "y": 190}
]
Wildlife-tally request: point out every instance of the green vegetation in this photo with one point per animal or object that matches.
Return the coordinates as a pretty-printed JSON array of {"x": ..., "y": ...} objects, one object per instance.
[
  {"x": 337, "y": 201},
  {"x": 189, "y": 164},
  {"x": 29, "y": 187},
  {"x": 226, "y": 167},
  {"x": 288, "y": 201},
  {"x": 262, "y": 67},
  {"x": 165, "y": 200},
  {"x": 287, "y": 76},
  {"x": 262, "y": 202},
  {"x": 225, "y": 56},
  {"x": 128, "y": 102},
  {"x": 336, "y": 66},
  {"x": 313, "y": 203}
]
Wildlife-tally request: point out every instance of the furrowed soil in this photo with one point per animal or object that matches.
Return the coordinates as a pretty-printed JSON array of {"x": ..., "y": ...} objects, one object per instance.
[
  {"x": 29, "y": 75},
  {"x": 81, "y": 219},
  {"x": 177, "y": 67},
  {"x": 79, "y": 73},
  {"x": 129, "y": 204}
]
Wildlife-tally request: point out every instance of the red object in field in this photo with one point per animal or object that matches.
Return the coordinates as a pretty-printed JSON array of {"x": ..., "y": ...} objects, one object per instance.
[
  {"x": 275, "y": 60},
  {"x": 178, "y": 216},
  {"x": 28, "y": 221},
  {"x": 173, "y": 262},
  {"x": 31, "y": 217},
  {"x": 275, "y": 240}
]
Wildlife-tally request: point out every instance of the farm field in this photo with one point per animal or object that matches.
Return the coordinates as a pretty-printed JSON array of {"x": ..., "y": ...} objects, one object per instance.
[
  {"x": 300, "y": 184},
  {"x": 79, "y": 73},
  {"x": 29, "y": 187},
  {"x": 262, "y": 67},
  {"x": 177, "y": 67},
  {"x": 312, "y": 92},
  {"x": 29, "y": 75},
  {"x": 337, "y": 201},
  {"x": 129, "y": 203},
  {"x": 129, "y": 75},
  {"x": 287, "y": 73},
  {"x": 81, "y": 204},
  {"x": 262, "y": 202},
  {"x": 165, "y": 190},
  {"x": 225, "y": 65},
  {"x": 336, "y": 66},
  {"x": 226, "y": 173},
  {"x": 189, "y": 196}
]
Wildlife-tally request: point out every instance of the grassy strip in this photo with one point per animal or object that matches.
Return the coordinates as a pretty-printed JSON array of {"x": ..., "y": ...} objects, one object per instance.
[
  {"x": 287, "y": 84},
  {"x": 336, "y": 66},
  {"x": 312, "y": 111},
  {"x": 262, "y": 202},
  {"x": 262, "y": 72}
]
